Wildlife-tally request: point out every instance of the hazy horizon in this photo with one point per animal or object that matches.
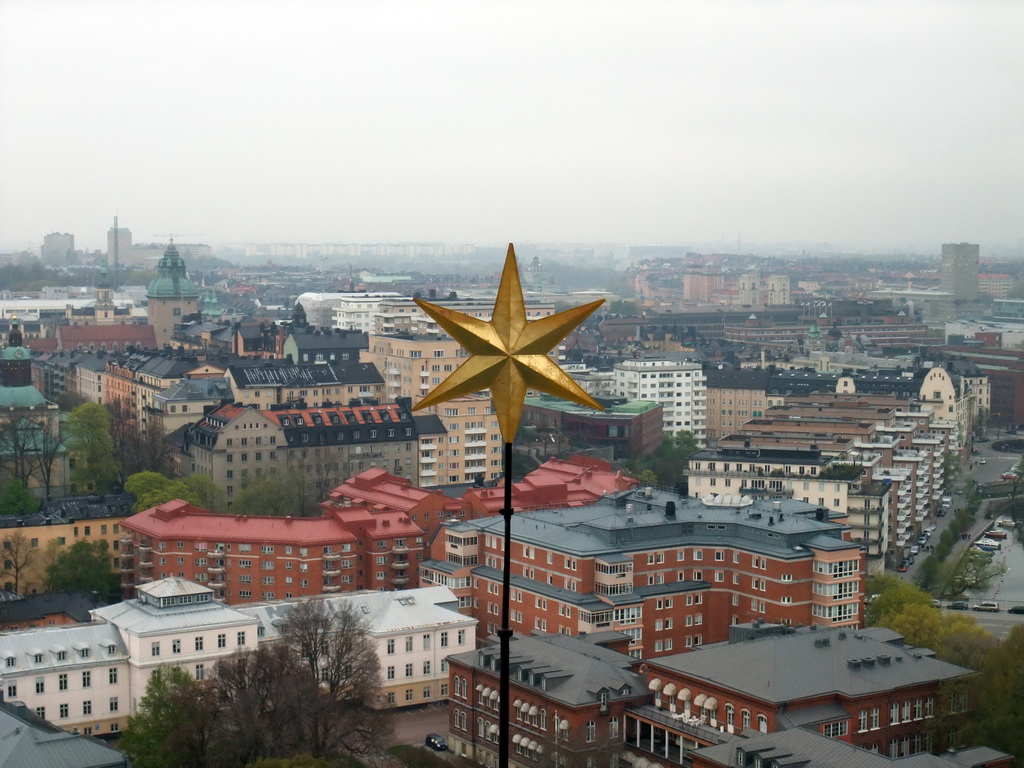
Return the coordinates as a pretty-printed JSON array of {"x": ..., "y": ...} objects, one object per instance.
[{"x": 868, "y": 125}]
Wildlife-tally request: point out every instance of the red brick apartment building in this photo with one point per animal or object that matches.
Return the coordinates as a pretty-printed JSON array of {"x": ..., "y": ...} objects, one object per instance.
[
  {"x": 246, "y": 559},
  {"x": 670, "y": 572},
  {"x": 569, "y": 699}
]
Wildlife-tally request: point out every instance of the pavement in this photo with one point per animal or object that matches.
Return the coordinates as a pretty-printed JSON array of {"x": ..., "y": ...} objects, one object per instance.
[{"x": 411, "y": 726}]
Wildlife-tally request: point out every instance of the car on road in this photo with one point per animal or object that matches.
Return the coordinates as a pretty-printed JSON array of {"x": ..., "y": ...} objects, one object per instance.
[
  {"x": 1016, "y": 609},
  {"x": 915, "y": 549},
  {"x": 986, "y": 605},
  {"x": 959, "y": 605},
  {"x": 435, "y": 742},
  {"x": 983, "y": 461},
  {"x": 1009, "y": 475},
  {"x": 902, "y": 568}
]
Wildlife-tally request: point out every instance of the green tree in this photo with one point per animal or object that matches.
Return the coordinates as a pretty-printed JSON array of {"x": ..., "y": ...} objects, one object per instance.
[
  {"x": 999, "y": 718},
  {"x": 972, "y": 571},
  {"x": 85, "y": 565},
  {"x": 299, "y": 761},
  {"x": 647, "y": 477},
  {"x": 88, "y": 430},
  {"x": 282, "y": 491},
  {"x": 152, "y": 488},
  {"x": 174, "y": 722},
  {"x": 16, "y": 500},
  {"x": 950, "y": 469},
  {"x": 891, "y": 597},
  {"x": 669, "y": 460},
  {"x": 208, "y": 494}
]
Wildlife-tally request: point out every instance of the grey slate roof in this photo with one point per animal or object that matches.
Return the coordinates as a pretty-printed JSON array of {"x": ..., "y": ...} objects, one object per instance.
[
  {"x": 75, "y": 604},
  {"x": 196, "y": 389},
  {"x": 383, "y": 613},
  {"x": 574, "y": 670},
  {"x": 634, "y": 522},
  {"x": 762, "y": 667},
  {"x": 27, "y": 741},
  {"x": 807, "y": 749},
  {"x": 23, "y": 646}
]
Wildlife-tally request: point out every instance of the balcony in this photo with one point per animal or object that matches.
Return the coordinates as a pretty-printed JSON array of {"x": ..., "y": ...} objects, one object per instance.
[
  {"x": 427, "y": 460},
  {"x": 428, "y": 473},
  {"x": 399, "y": 579},
  {"x": 145, "y": 579},
  {"x": 399, "y": 549},
  {"x": 331, "y": 556},
  {"x": 400, "y": 565},
  {"x": 476, "y": 430},
  {"x": 329, "y": 572},
  {"x": 428, "y": 445},
  {"x": 215, "y": 569},
  {"x": 332, "y": 587},
  {"x": 145, "y": 549},
  {"x": 145, "y": 563},
  {"x": 216, "y": 583},
  {"x": 476, "y": 443},
  {"x": 126, "y": 568}
]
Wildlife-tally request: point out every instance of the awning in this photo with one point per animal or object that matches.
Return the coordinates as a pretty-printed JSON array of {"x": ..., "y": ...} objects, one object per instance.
[
  {"x": 711, "y": 703},
  {"x": 684, "y": 694},
  {"x": 655, "y": 684},
  {"x": 516, "y": 739},
  {"x": 699, "y": 701},
  {"x": 670, "y": 689}
]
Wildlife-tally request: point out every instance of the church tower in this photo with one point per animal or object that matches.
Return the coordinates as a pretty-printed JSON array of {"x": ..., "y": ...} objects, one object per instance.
[{"x": 172, "y": 296}]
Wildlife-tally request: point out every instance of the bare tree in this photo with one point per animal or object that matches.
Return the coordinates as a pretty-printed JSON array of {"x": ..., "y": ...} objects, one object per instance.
[
  {"x": 19, "y": 556},
  {"x": 139, "y": 445},
  {"x": 335, "y": 648},
  {"x": 29, "y": 446}
]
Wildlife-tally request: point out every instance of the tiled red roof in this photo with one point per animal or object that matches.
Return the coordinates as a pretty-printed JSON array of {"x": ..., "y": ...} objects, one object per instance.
[
  {"x": 364, "y": 414},
  {"x": 179, "y": 519},
  {"x": 70, "y": 336},
  {"x": 42, "y": 345},
  {"x": 381, "y": 490}
]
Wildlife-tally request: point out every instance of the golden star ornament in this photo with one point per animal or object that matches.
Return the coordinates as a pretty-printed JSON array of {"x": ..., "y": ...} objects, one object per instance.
[{"x": 508, "y": 354}]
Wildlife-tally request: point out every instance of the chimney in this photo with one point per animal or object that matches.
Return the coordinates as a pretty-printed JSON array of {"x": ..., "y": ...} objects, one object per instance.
[{"x": 670, "y": 510}]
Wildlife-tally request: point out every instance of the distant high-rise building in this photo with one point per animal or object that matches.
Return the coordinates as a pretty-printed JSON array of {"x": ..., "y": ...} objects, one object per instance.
[
  {"x": 119, "y": 245},
  {"x": 960, "y": 270},
  {"x": 58, "y": 248}
]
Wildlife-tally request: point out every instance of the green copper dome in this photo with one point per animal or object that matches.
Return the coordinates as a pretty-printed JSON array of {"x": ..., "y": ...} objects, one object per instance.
[
  {"x": 21, "y": 397},
  {"x": 171, "y": 281}
]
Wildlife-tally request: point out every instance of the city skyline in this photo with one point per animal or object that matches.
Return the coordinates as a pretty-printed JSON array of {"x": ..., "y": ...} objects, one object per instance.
[{"x": 795, "y": 122}]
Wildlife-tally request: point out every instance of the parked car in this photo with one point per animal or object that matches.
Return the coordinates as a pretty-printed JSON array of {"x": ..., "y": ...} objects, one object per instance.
[
  {"x": 1009, "y": 475},
  {"x": 958, "y": 605},
  {"x": 435, "y": 742},
  {"x": 915, "y": 549},
  {"x": 986, "y": 605},
  {"x": 1016, "y": 609},
  {"x": 983, "y": 461},
  {"x": 941, "y": 513},
  {"x": 902, "y": 568}
]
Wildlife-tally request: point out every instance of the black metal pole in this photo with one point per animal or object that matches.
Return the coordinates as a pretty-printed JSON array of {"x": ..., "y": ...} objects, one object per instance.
[{"x": 505, "y": 633}]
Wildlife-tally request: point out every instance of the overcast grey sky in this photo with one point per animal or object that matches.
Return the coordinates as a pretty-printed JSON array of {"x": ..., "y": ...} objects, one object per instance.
[{"x": 885, "y": 123}]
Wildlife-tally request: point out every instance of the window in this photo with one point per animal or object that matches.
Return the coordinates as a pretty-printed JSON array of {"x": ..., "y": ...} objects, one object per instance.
[
  {"x": 408, "y": 644},
  {"x": 199, "y": 643},
  {"x": 154, "y": 649},
  {"x": 835, "y": 730},
  {"x": 862, "y": 721},
  {"x": 874, "y": 718},
  {"x": 762, "y": 724},
  {"x": 200, "y": 672},
  {"x": 240, "y": 638},
  {"x": 408, "y": 670},
  {"x": 391, "y": 646},
  {"x": 112, "y": 676},
  {"x": 87, "y": 679},
  {"x": 222, "y": 641},
  {"x": 176, "y": 646},
  {"x": 426, "y": 667},
  {"x": 62, "y": 682},
  {"x": 591, "y": 731},
  {"x": 63, "y": 710},
  {"x": 444, "y": 639},
  {"x": 113, "y": 704}
]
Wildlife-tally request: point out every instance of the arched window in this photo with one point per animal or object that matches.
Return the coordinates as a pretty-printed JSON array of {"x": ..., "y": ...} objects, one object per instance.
[
  {"x": 762, "y": 724},
  {"x": 730, "y": 715},
  {"x": 480, "y": 730},
  {"x": 894, "y": 747},
  {"x": 591, "y": 731},
  {"x": 745, "y": 716},
  {"x": 613, "y": 728},
  {"x": 543, "y": 724}
]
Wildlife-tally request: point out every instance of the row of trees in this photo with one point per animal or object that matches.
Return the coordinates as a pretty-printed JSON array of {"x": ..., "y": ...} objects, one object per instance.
[
  {"x": 308, "y": 693},
  {"x": 997, "y": 689}
]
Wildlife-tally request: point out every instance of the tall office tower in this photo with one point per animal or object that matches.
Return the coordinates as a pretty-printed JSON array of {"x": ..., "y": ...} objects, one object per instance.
[
  {"x": 960, "y": 270},
  {"x": 119, "y": 246},
  {"x": 58, "y": 248}
]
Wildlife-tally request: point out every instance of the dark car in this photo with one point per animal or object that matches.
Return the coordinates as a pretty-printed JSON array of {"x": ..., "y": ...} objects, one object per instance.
[
  {"x": 959, "y": 605},
  {"x": 436, "y": 742},
  {"x": 1016, "y": 609},
  {"x": 902, "y": 568}
]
